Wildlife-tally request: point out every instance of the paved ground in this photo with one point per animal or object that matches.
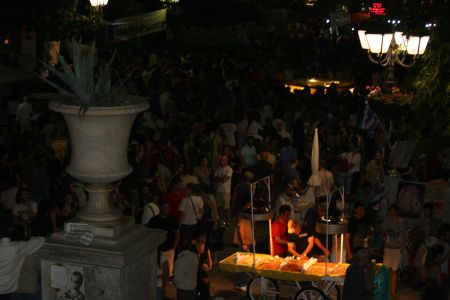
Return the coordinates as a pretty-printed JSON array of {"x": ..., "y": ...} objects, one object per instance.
[{"x": 222, "y": 286}]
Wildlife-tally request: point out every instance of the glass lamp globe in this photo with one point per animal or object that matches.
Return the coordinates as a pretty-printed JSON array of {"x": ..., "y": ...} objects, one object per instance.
[
  {"x": 96, "y": 3},
  {"x": 379, "y": 43}
]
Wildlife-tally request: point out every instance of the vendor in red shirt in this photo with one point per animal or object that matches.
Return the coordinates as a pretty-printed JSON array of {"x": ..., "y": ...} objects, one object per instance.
[
  {"x": 279, "y": 231},
  {"x": 174, "y": 197}
]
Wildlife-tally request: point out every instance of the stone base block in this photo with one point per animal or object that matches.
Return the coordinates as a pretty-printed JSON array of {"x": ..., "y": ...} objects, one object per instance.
[
  {"x": 120, "y": 268},
  {"x": 108, "y": 231}
]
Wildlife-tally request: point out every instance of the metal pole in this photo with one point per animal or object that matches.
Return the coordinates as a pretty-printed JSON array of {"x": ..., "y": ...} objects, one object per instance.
[
  {"x": 391, "y": 68},
  {"x": 253, "y": 228},
  {"x": 391, "y": 63},
  {"x": 267, "y": 179},
  {"x": 342, "y": 191},
  {"x": 326, "y": 242},
  {"x": 336, "y": 249}
]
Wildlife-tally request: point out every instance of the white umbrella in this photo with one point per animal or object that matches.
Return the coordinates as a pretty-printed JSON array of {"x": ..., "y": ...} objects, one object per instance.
[{"x": 315, "y": 179}]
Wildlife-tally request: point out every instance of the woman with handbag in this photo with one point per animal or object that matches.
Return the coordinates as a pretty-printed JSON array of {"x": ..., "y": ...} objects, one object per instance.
[{"x": 204, "y": 266}]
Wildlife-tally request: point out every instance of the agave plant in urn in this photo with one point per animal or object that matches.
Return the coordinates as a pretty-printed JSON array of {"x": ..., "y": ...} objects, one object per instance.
[{"x": 99, "y": 118}]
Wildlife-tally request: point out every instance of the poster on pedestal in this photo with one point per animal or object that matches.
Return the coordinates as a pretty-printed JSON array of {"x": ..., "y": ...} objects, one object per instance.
[{"x": 68, "y": 280}]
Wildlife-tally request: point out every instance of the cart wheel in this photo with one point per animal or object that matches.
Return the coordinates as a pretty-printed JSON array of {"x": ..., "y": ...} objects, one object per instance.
[
  {"x": 261, "y": 288},
  {"x": 310, "y": 293},
  {"x": 332, "y": 292}
]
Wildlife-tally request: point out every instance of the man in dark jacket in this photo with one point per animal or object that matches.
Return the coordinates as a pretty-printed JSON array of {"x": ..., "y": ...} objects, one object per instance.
[{"x": 358, "y": 282}]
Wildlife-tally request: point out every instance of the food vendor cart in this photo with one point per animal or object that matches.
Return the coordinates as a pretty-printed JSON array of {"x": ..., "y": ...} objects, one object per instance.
[{"x": 310, "y": 276}]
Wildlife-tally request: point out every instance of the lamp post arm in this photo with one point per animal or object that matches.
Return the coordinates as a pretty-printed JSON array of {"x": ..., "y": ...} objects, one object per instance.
[
  {"x": 401, "y": 61},
  {"x": 382, "y": 62}
]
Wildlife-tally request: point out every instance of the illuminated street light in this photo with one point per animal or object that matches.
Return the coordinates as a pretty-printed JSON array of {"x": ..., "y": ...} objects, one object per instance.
[
  {"x": 98, "y": 3},
  {"x": 98, "y": 6},
  {"x": 387, "y": 49}
]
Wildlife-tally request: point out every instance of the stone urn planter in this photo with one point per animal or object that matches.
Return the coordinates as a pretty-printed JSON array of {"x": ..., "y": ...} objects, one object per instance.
[
  {"x": 99, "y": 143},
  {"x": 118, "y": 259}
]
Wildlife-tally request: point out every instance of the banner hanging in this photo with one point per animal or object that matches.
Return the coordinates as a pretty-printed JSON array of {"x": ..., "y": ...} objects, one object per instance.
[{"x": 137, "y": 26}]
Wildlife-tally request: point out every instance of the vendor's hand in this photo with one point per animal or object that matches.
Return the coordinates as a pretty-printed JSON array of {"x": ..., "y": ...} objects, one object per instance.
[
  {"x": 245, "y": 248},
  {"x": 326, "y": 252},
  {"x": 303, "y": 257}
]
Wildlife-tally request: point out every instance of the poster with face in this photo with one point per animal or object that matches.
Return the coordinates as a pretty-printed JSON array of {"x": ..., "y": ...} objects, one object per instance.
[
  {"x": 74, "y": 284},
  {"x": 410, "y": 198}
]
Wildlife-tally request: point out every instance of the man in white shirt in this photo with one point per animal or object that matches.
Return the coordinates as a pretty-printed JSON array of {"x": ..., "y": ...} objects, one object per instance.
[
  {"x": 191, "y": 208},
  {"x": 254, "y": 128},
  {"x": 280, "y": 127},
  {"x": 8, "y": 197},
  {"x": 351, "y": 177},
  {"x": 248, "y": 152},
  {"x": 223, "y": 176},
  {"x": 229, "y": 130},
  {"x": 24, "y": 113},
  {"x": 151, "y": 209},
  {"x": 327, "y": 180},
  {"x": 185, "y": 272},
  {"x": 12, "y": 256}
]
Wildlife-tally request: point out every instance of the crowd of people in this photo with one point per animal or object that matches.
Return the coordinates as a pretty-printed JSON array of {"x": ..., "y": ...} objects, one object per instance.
[{"x": 219, "y": 120}]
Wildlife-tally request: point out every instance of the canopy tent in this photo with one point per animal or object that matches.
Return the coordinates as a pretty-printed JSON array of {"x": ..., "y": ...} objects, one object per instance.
[{"x": 315, "y": 83}]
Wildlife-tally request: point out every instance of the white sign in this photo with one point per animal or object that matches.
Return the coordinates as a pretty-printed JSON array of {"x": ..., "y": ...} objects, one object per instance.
[
  {"x": 79, "y": 232},
  {"x": 76, "y": 227},
  {"x": 57, "y": 277}
]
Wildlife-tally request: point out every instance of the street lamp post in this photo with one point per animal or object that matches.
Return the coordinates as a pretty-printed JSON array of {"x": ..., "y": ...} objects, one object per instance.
[
  {"x": 98, "y": 5},
  {"x": 391, "y": 48}
]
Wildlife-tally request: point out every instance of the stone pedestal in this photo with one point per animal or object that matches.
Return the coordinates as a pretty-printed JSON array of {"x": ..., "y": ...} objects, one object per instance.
[{"x": 119, "y": 268}]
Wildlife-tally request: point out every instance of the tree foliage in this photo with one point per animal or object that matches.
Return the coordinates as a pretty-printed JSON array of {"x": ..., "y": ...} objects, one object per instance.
[
  {"x": 430, "y": 80},
  {"x": 62, "y": 20}
]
